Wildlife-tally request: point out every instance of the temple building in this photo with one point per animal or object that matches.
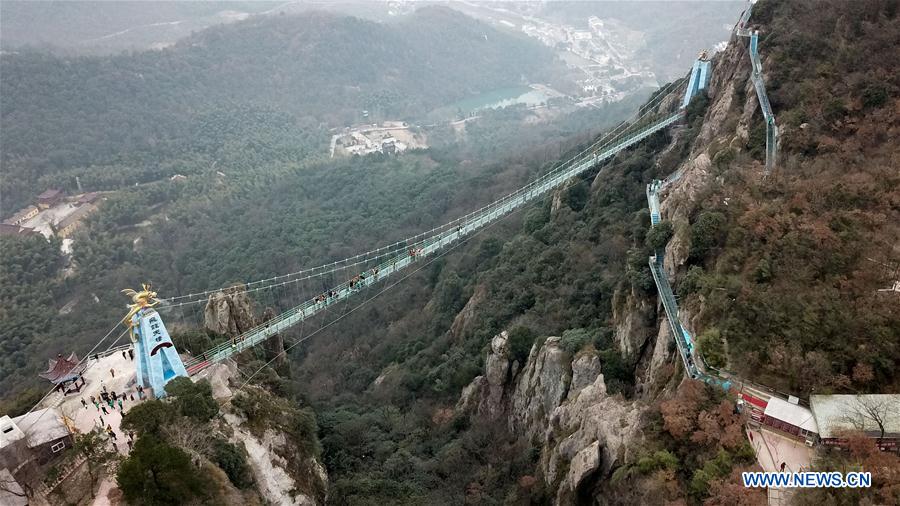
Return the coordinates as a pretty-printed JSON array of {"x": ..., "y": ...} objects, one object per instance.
[{"x": 63, "y": 372}]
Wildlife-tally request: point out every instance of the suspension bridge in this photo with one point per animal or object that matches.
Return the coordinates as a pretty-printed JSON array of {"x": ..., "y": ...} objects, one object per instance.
[{"x": 388, "y": 262}]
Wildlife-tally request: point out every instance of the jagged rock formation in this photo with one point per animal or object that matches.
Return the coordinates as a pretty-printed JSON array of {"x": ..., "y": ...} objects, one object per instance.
[
  {"x": 561, "y": 405},
  {"x": 464, "y": 318},
  {"x": 634, "y": 317},
  {"x": 281, "y": 473},
  {"x": 229, "y": 311}
]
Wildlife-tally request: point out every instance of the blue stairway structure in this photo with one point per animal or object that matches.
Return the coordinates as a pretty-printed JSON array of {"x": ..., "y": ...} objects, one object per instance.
[
  {"x": 756, "y": 76},
  {"x": 694, "y": 364},
  {"x": 742, "y": 29},
  {"x": 699, "y": 79}
]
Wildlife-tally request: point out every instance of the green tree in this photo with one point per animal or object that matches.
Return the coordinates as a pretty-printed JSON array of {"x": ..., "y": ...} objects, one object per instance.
[
  {"x": 193, "y": 399},
  {"x": 156, "y": 473},
  {"x": 706, "y": 233},
  {"x": 520, "y": 339},
  {"x": 148, "y": 417},
  {"x": 573, "y": 340},
  {"x": 712, "y": 347},
  {"x": 659, "y": 235}
]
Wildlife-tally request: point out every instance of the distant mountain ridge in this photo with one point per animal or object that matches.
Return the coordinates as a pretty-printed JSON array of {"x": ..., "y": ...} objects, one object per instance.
[{"x": 321, "y": 69}]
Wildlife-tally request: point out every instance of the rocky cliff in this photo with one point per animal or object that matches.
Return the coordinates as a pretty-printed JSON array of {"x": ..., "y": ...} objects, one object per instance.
[
  {"x": 560, "y": 403},
  {"x": 284, "y": 471}
]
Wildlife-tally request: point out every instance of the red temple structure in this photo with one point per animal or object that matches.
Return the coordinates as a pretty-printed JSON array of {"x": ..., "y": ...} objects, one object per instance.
[{"x": 61, "y": 371}]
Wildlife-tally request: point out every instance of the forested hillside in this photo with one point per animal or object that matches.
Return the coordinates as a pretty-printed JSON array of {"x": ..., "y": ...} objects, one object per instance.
[
  {"x": 142, "y": 116},
  {"x": 784, "y": 274},
  {"x": 254, "y": 207}
]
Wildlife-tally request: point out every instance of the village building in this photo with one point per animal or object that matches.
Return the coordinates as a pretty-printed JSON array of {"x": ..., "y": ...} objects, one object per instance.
[
  {"x": 16, "y": 231},
  {"x": 68, "y": 225},
  {"x": 87, "y": 198},
  {"x": 49, "y": 198},
  {"x": 33, "y": 438},
  {"x": 839, "y": 415},
  {"x": 792, "y": 418},
  {"x": 24, "y": 214}
]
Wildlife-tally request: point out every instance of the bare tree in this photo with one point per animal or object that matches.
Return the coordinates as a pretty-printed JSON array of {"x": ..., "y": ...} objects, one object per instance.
[
  {"x": 193, "y": 437},
  {"x": 865, "y": 411}
]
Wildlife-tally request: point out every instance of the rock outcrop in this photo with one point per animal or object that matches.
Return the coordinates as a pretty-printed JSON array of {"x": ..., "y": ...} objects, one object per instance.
[
  {"x": 634, "y": 317},
  {"x": 229, "y": 312},
  {"x": 279, "y": 478},
  {"x": 560, "y": 404},
  {"x": 464, "y": 318}
]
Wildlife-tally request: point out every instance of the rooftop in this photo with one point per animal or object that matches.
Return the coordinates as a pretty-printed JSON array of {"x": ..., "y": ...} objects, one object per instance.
[
  {"x": 49, "y": 194},
  {"x": 41, "y": 426},
  {"x": 836, "y": 414},
  {"x": 61, "y": 369},
  {"x": 76, "y": 215},
  {"x": 793, "y": 414},
  {"x": 9, "y": 431},
  {"x": 7, "y": 229}
]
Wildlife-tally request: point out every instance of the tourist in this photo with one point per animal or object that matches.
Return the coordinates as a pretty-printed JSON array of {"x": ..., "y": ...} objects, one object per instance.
[
  {"x": 112, "y": 372},
  {"x": 124, "y": 355},
  {"x": 131, "y": 353},
  {"x": 122, "y": 409},
  {"x": 105, "y": 412},
  {"x": 110, "y": 432},
  {"x": 114, "y": 395},
  {"x": 101, "y": 421},
  {"x": 97, "y": 405},
  {"x": 83, "y": 403}
]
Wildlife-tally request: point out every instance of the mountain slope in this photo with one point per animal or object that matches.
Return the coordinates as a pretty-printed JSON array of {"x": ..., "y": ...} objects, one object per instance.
[{"x": 68, "y": 114}]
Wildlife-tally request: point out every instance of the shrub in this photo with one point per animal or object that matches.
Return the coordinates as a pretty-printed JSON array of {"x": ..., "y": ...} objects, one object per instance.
[
  {"x": 706, "y": 233},
  {"x": 232, "y": 460},
  {"x": 148, "y": 417},
  {"x": 874, "y": 96},
  {"x": 659, "y": 460},
  {"x": 520, "y": 339},
  {"x": 156, "y": 473},
  {"x": 574, "y": 339},
  {"x": 712, "y": 347},
  {"x": 692, "y": 281},
  {"x": 659, "y": 235}
]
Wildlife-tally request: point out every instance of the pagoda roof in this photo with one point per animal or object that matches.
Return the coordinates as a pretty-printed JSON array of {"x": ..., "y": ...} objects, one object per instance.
[{"x": 62, "y": 369}]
